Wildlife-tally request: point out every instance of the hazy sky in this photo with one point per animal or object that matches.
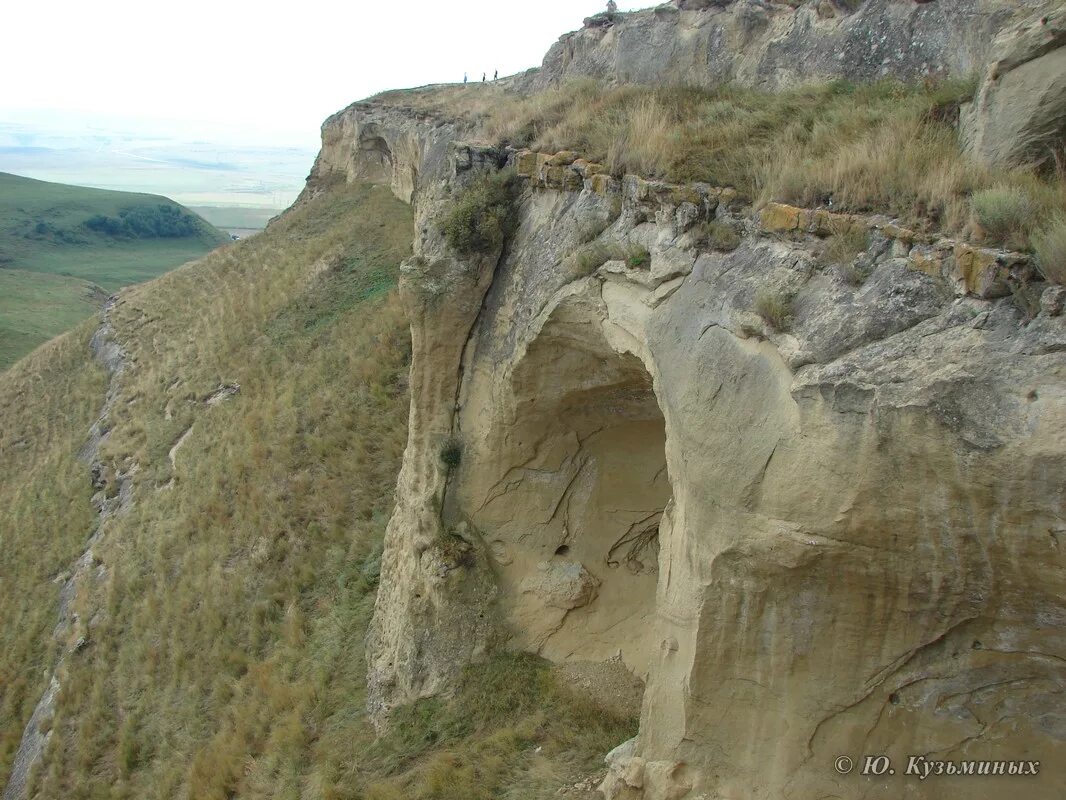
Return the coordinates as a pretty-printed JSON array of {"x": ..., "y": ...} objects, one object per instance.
[{"x": 271, "y": 70}]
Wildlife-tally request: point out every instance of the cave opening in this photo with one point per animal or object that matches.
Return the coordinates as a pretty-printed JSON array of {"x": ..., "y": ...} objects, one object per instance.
[{"x": 578, "y": 491}]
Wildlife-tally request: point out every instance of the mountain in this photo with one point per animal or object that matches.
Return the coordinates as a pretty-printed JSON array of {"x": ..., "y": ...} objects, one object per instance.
[
  {"x": 63, "y": 248},
  {"x": 713, "y": 431}
]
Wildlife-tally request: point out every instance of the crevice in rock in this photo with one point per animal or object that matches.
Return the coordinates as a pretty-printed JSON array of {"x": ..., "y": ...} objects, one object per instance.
[{"x": 464, "y": 360}]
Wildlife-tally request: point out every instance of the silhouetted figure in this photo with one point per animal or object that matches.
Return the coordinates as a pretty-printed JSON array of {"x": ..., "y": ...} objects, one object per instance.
[
  {"x": 612, "y": 9},
  {"x": 483, "y": 77},
  {"x": 464, "y": 78},
  {"x": 496, "y": 75}
]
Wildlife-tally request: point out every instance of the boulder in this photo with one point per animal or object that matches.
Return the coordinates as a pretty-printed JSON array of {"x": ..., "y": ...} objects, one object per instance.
[{"x": 1019, "y": 114}]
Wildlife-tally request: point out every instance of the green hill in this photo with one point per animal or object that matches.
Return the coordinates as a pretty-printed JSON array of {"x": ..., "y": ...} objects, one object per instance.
[{"x": 62, "y": 248}]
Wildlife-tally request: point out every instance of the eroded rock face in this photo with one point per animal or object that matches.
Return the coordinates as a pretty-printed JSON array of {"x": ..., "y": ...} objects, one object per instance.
[
  {"x": 1019, "y": 115},
  {"x": 843, "y": 538},
  {"x": 773, "y": 45},
  {"x": 378, "y": 144}
]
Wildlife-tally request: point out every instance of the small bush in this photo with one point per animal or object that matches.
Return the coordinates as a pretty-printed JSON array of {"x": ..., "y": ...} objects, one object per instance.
[
  {"x": 638, "y": 258},
  {"x": 483, "y": 216},
  {"x": 1005, "y": 213},
  {"x": 775, "y": 308},
  {"x": 718, "y": 236},
  {"x": 370, "y": 571},
  {"x": 451, "y": 452},
  {"x": 592, "y": 256},
  {"x": 1050, "y": 246}
]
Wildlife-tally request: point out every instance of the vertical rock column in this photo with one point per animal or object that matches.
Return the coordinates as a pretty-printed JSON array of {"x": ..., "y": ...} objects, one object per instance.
[{"x": 431, "y": 615}]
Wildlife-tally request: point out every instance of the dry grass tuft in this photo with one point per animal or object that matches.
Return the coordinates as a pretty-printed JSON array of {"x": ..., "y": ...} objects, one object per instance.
[
  {"x": 846, "y": 243},
  {"x": 717, "y": 235},
  {"x": 1005, "y": 214},
  {"x": 1050, "y": 245},
  {"x": 775, "y": 308},
  {"x": 590, "y": 257}
]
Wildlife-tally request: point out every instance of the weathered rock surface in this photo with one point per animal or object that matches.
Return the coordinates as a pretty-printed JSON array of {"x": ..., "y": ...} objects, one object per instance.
[
  {"x": 772, "y": 45},
  {"x": 842, "y": 538},
  {"x": 1019, "y": 115}
]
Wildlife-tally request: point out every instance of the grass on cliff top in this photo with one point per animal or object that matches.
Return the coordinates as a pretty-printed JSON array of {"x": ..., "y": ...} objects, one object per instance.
[
  {"x": 225, "y": 648},
  {"x": 882, "y": 147}
]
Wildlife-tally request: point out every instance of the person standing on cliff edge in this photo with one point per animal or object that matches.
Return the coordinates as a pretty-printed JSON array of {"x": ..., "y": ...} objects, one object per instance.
[{"x": 612, "y": 9}]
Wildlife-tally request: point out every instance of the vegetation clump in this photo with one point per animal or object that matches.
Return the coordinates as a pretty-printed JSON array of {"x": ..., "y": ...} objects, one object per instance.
[
  {"x": 508, "y": 713},
  {"x": 843, "y": 247},
  {"x": 1005, "y": 214},
  {"x": 638, "y": 257},
  {"x": 589, "y": 258},
  {"x": 147, "y": 222},
  {"x": 451, "y": 452},
  {"x": 775, "y": 307},
  {"x": 483, "y": 216},
  {"x": 718, "y": 235},
  {"x": 846, "y": 243},
  {"x": 1049, "y": 244}
]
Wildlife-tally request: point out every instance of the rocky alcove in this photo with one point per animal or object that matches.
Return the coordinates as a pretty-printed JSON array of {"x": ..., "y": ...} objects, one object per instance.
[{"x": 570, "y": 486}]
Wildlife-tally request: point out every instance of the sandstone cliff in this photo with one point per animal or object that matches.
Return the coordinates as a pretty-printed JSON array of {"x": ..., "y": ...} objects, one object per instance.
[
  {"x": 833, "y": 531},
  {"x": 772, "y": 45},
  {"x": 1019, "y": 115}
]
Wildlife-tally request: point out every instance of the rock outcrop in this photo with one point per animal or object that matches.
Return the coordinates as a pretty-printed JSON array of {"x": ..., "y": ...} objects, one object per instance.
[
  {"x": 841, "y": 537},
  {"x": 773, "y": 45},
  {"x": 1019, "y": 115},
  {"x": 111, "y": 498}
]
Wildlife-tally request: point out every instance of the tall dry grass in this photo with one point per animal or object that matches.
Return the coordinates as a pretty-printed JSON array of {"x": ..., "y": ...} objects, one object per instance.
[
  {"x": 883, "y": 147},
  {"x": 1050, "y": 245},
  {"x": 48, "y": 400},
  {"x": 225, "y": 654},
  {"x": 876, "y": 147}
]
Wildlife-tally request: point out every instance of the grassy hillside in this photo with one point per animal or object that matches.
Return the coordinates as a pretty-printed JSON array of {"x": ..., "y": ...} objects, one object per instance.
[
  {"x": 225, "y": 654},
  {"x": 83, "y": 236},
  {"x": 47, "y": 402},
  {"x": 35, "y": 307}
]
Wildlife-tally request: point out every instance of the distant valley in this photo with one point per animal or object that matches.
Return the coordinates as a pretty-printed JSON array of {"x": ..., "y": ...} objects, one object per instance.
[
  {"x": 64, "y": 249},
  {"x": 54, "y": 276},
  {"x": 194, "y": 165}
]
